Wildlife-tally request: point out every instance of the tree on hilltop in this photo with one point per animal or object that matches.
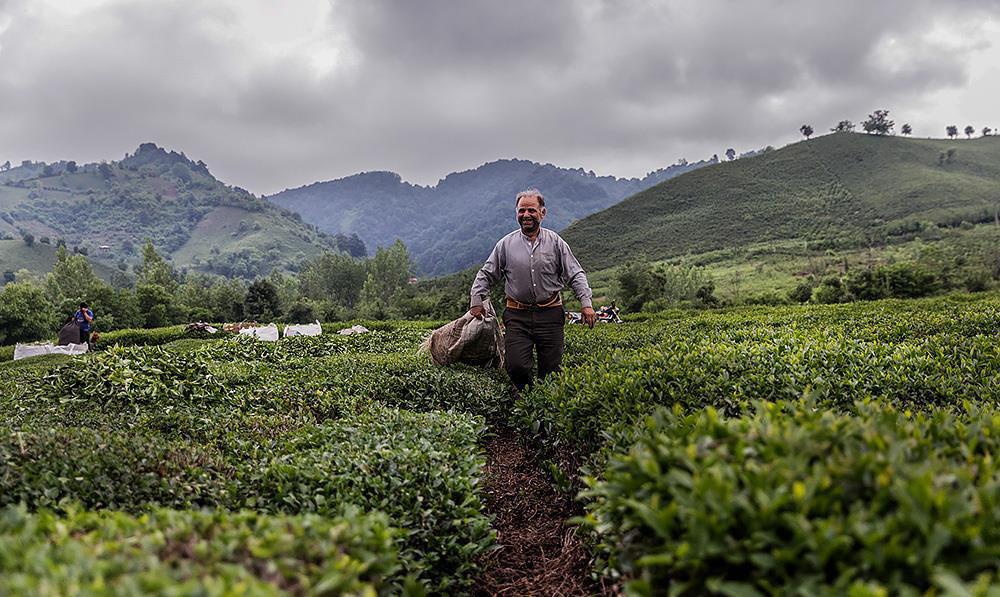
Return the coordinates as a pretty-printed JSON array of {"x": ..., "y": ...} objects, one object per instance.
[
  {"x": 844, "y": 126},
  {"x": 5, "y": 165},
  {"x": 952, "y": 131},
  {"x": 806, "y": 130},
  {"x": 731, "y": 154},
  {"x": 986, "y": 131},
  {"x": 878, "y": 123},
  {"x": 71, "y": 167},
  {"x": 906, "y": 129},
  {"x": 969, "y": 130}
]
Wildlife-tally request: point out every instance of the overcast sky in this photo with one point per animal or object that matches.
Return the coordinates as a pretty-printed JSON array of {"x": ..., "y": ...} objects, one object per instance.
[{"x": 280, "y": 93}]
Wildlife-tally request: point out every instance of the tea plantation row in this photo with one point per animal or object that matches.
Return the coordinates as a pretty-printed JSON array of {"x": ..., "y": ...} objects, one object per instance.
[
  {"x": 822, "y": 450},
  {"x": 190, "y": 462},
  {"x": 817, "y": 450}
]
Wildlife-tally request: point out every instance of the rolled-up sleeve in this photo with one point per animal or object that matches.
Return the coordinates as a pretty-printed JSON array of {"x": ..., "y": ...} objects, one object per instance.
[
  {"x": 487, "y": 276},
  {"x": 574, "y": 276}
]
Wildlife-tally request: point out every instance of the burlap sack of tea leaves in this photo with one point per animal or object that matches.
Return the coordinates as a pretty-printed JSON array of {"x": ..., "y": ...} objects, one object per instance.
[{"x": 468, "y": 340}]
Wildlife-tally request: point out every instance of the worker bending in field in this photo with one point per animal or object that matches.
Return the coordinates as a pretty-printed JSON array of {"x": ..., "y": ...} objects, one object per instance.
[{"x": 536, "y": 265}]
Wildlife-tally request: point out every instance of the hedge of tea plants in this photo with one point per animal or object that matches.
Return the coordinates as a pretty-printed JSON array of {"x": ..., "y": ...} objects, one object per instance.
[
  {"x": 793, "y": 495},
  {"x": 338, "y": 427},
  {"x": 821, "y": 450},
  {"x": 809, "y": 450},
  {"x": 193, "y": 553},
  {"x": 920, "y": 355}
]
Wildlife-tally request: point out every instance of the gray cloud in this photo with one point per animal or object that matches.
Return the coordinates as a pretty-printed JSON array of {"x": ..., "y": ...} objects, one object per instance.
[
  {"x": 276, "y": 95},
  {"x": 470, "y": 35}
]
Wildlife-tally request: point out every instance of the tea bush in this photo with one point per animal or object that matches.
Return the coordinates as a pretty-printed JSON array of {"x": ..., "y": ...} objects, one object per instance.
[
  {"x": 50, "y": 466},
  {"x": 120, "y": 385},
  {"x": 207, "y": 553},
  {"x": 939, "y": 358},
  {"x": 403, "y": 340},
  {"x": 407, "y": 381},
  {"x": 422, "y": 469},
  {"x": 276, "y": 428},
  {"x": 796, "y": 498},
  {"x": 151, "y": 336}
]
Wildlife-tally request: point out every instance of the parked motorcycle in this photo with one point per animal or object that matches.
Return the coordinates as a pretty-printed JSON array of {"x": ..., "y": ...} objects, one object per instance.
[{"x": 605, "y": 314}]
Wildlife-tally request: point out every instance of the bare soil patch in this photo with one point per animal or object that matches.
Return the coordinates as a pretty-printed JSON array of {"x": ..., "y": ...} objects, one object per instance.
[{"x": 537, "y": 552}]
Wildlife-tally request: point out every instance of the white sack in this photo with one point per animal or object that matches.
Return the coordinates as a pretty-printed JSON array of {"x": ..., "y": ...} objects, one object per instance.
[
  {"x": 304, "y": 329},
  {"x": 267, "y": 333},
  {"x": 354, "y": 329}
]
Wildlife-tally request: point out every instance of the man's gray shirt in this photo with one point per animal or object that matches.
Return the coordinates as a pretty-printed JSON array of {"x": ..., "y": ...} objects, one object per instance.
[{"x": 533, "y": 271}]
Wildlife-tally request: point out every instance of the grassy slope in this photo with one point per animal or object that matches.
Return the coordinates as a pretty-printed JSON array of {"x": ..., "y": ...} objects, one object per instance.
[
  {"x": 845, "y": 189},
  {"x": 220, "y": 228},
  {"x": 15, "y": 255}
]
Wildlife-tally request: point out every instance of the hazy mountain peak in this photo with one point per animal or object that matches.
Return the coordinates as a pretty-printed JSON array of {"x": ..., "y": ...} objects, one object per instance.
[{"x": 453, "y": 224}]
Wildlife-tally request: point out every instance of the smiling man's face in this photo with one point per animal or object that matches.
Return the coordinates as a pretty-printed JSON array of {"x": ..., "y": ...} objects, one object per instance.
[{"x": 529, "y": 215}]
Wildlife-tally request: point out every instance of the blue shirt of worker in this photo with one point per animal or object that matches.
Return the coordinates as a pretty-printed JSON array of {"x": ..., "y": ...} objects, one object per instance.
[{"x": 80, "y": 319}]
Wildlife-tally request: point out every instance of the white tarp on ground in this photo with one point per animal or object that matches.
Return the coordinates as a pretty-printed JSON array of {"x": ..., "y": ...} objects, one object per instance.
[
  {"x": 267, "y": 333},
  {"x": 304, "y": 329},
  {"x": 23, "y": 351},
  {"x": 354, "y": 329}
]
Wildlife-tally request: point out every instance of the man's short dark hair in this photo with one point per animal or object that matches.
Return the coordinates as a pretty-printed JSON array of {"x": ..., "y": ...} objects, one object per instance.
[
  {"x": 530, "y": 193},
  {"x": 84, "y": 306}
]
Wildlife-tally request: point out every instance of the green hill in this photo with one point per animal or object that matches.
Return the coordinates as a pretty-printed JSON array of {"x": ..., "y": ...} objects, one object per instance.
[
  {"x": 839, "y": 191},
  {"x": 16, "y": 255},
  {"x": 108, "y": 210}
]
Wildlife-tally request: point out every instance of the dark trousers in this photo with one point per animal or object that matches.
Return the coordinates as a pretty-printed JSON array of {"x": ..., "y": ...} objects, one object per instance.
[
  {"x": 541, "y": 329},
  {"x": 84, "y": 337}
]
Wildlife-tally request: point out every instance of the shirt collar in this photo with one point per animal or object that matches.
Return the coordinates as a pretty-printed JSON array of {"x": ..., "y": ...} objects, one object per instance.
[{"x": 525, "y": 238}]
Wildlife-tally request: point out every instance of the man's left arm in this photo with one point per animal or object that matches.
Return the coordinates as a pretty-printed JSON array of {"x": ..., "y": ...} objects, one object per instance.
[{"x": 576, "y": 278}]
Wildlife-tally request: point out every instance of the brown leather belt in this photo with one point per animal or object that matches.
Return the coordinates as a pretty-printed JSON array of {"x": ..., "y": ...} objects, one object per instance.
[{"x": 554, "y": 301}]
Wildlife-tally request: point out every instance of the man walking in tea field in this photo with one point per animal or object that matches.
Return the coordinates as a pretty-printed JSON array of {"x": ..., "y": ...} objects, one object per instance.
[{"x": 536, "y": 264}]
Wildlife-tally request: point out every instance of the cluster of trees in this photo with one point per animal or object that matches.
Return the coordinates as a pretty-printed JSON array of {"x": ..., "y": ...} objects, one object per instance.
[
  {"x": 644, "y": 286},
  {"x": 878, "y": 123},
  {"x": 899, "y": 280},
  {"x": 952, "y": 131},
  {"x": 330, "y": 287},
  {"x": 930, "y": 269}
]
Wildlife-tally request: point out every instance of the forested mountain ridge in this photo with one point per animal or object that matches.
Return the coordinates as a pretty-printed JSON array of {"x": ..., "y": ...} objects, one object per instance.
[
  {"x": 837, "y": 191},
  {"x": 453, "y": 224},
  {"x": 108, "y": 210}
]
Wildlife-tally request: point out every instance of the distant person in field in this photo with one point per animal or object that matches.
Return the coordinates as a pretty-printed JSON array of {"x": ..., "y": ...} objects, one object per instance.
[
  {"x": 536, "y": 265},
  {"x": 84, "y": 318}
]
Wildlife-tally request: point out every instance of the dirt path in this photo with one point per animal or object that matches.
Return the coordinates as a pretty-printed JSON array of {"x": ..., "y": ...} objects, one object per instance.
[{"x": 538, "y": 553}]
